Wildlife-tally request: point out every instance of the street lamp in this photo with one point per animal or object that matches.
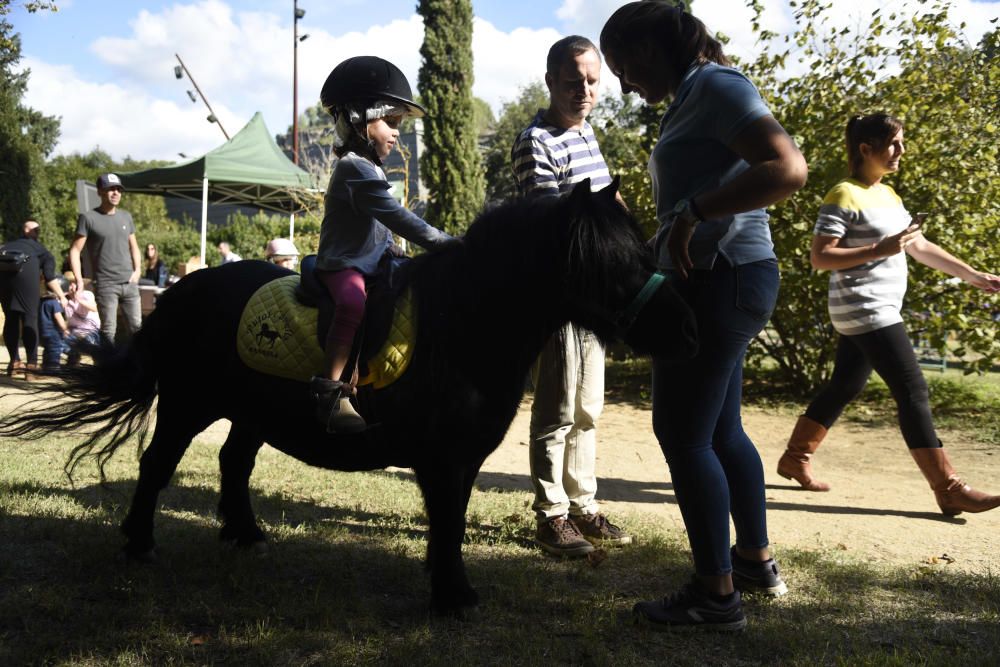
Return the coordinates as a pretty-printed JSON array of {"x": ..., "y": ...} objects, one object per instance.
[
  {"x": 298, "y": 13},
  {"x": 179, "y": 72}
]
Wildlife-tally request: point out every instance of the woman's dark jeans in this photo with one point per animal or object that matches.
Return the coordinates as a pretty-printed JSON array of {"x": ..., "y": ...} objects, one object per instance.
[
  {"x": 714, "y": 465},
  {"x": 890, "y": 353}
]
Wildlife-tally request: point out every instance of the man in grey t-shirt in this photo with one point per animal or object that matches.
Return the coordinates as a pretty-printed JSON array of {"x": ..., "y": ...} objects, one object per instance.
[{"x": 108, "y": 233}]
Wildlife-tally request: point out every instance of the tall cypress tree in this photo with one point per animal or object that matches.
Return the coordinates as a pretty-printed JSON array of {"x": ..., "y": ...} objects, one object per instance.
[{"x": 451, "y": 165}]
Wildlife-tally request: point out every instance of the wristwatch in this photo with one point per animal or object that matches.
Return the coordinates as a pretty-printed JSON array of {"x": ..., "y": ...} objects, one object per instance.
[{"x": 687, "y": 211}]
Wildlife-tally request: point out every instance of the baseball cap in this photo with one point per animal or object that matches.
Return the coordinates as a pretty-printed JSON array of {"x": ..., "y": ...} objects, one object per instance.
[{"x": 105, "y": 181}]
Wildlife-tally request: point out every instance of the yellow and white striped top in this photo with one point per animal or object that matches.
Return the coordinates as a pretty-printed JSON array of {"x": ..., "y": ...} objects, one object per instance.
[{"x": 869, "y": 296}]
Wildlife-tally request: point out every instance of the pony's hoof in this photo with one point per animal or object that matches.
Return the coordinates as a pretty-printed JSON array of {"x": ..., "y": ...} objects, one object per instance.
[
  {"x": 258, "y": 548},
  {"x": 460, "y": 604},
  {"x": 459, "y": 615},
  {"x": 253, "y": 539}
]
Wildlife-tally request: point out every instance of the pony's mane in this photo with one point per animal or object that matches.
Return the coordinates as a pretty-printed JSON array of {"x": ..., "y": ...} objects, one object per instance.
[{"x": 590, "y": 241}]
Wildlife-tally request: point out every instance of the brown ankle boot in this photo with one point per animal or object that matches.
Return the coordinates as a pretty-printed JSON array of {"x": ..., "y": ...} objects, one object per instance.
[
  {"x": 953, "y": 495},
  {"x": 794, "y": 463}
]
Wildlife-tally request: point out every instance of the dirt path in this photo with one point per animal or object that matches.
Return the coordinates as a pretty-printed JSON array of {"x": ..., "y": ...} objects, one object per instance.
[{"x": 880, "y": 507}]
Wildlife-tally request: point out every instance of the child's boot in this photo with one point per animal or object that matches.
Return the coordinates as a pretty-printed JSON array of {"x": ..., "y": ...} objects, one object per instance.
[{"x": 333, "y": 406}]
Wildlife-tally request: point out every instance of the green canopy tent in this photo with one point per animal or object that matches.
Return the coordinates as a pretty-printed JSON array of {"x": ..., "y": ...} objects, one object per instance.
[{"x": 248, "y": 169}]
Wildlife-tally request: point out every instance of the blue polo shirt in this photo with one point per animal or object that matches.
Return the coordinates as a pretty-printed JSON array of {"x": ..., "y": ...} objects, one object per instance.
[{"x": 712, "y": 106}]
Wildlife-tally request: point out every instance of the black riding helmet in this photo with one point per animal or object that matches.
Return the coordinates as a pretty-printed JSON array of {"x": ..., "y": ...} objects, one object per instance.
[{"x": 366, "y": 79}]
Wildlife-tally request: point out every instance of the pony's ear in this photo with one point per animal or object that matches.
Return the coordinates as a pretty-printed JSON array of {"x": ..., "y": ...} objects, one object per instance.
[
  {"x": 609, "y": 191},
  {"x": 580, "y": 194}
]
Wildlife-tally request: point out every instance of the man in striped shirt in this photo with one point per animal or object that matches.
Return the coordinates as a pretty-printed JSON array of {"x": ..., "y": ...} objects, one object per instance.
[{"x": 556, "y": 151}]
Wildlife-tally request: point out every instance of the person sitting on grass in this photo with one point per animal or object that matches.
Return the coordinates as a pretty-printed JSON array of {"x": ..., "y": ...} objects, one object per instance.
[
  {"x": 53, "y": 330},
  {"x": 83, "y": 322}
]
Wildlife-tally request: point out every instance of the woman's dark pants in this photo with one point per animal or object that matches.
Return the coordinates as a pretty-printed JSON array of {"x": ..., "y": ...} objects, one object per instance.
[
  {"x": 715, "y": 468},
  {"x": 889, "y": 352}
]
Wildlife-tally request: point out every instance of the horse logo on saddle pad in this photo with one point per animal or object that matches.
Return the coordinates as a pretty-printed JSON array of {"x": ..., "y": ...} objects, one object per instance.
[{"x": 277, "y": 336}]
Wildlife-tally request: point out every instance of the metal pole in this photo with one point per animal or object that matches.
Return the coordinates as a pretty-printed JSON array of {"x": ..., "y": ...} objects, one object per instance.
[
  {"x": 203, "y": 99},
  {"x": 204, "y": 217},
  {"x": 295, "y": 81}
]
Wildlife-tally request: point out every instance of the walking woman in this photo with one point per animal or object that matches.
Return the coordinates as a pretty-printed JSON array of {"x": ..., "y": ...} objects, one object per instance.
[
  {"x": 720, "y": 159},
  {"x": 862, "y": 237}
]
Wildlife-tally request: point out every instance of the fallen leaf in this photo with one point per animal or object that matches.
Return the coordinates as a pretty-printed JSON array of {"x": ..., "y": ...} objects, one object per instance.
[{"x": 596, "y": 557}]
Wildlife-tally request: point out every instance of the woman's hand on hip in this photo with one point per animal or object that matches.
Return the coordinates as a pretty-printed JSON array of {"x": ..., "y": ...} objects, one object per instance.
[{"x": 678, "y": 240}]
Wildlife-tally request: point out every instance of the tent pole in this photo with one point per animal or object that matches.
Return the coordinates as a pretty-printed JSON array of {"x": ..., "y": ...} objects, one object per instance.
[
  {"x": 291, "y": 226},
  {"x": 204, "y": 217}
]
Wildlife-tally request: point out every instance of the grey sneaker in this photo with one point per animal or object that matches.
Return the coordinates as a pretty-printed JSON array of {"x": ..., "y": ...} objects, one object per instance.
[
  {"x": 597, "y": 530},
  {"x": 757, "y": 576},
  {"x": 692, "y": 608},
  {"x": 560, "y": 537}
]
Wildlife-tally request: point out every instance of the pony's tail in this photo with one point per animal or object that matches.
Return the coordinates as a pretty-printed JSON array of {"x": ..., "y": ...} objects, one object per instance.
[{"x": 109, "y": 401}]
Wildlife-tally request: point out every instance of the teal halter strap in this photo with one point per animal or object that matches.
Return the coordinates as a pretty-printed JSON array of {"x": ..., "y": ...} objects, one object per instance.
[{"x": 641, "y": 299}]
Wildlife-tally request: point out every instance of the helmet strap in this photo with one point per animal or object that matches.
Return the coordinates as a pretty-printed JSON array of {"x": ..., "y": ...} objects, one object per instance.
[{"x": 365, "y": 146}]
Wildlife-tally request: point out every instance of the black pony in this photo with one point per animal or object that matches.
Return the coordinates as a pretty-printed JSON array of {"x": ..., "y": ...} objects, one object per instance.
[{"x": 485, "y": 307}]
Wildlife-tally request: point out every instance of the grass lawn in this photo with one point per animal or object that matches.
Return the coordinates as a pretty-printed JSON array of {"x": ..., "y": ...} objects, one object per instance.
[{"x": 343, "y": 583}]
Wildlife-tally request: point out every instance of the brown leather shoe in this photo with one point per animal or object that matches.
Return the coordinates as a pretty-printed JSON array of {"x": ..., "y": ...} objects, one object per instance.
[
  {"x": 596, "y": 529},
  {"x": 953, "y": 495},
  {"x": 560, "y": 537},
  {"x": 803, "y": 443}
]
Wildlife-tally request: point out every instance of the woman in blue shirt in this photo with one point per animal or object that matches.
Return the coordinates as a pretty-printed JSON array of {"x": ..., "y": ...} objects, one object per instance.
[{"x": 720, "y": 160}]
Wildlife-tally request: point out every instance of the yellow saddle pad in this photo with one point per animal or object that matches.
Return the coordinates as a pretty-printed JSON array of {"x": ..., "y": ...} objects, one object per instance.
[{"x": 277, "y": 336}]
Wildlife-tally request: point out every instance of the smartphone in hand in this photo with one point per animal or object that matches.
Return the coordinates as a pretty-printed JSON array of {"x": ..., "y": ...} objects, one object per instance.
[{"x": 919, "y": 219}]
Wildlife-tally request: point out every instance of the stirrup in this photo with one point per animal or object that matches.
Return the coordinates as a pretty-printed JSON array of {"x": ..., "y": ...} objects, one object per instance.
[{"x": 333, "y": 406}]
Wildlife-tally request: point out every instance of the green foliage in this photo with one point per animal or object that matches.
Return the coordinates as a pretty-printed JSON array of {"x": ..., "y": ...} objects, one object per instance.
[
  {"x": 483, "y": 119},
  {"x": 26, "y": 137},
  {"x": 451, "y": 166},
  {"x": 627, "y": 130},
  {"x": 514, "y": 117},
  {"x": 248, "y": 235},
  {"x": 6, "y": 39},
  {"x": 918, "y": 68}
]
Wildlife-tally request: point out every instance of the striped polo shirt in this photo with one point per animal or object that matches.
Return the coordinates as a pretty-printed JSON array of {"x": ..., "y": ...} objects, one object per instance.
[
  {"x": 550, "y": 160},
  {"x": 869, "y": 296}
]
